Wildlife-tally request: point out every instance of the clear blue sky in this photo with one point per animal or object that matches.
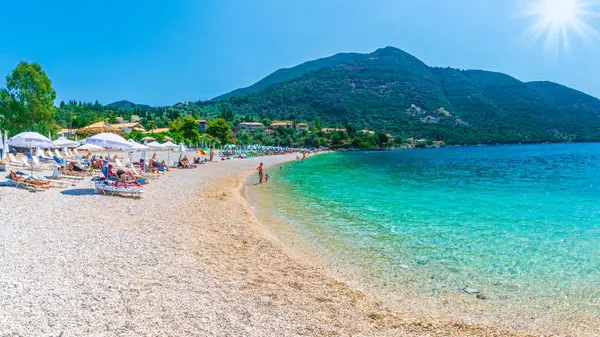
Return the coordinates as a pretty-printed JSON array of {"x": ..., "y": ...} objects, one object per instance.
[{"x": 162, "y": 52}]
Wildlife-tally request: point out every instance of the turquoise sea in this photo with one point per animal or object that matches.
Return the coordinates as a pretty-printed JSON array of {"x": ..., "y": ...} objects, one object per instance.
[{"x": 516, "y": 223}]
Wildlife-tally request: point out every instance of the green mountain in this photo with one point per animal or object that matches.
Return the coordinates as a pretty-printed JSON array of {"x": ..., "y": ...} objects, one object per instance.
[
  {"x": 127, "y": 104},
  {"x": 392, "y": 91},
  {"x": 285, "y": 74}
]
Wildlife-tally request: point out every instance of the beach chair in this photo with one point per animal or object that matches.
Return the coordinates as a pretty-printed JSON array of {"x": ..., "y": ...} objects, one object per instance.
[
  {"x": 44, "y": 157},
  {"x": 12, "y": 161},
  {"x": 58, "y": 161},
  {"x": 27, "y": 185},
  {"x": 57, "y": 154},
  {"x": 37, "y": 162},
  {"x": 50, "y": 154},
  {"x": 118, "y": 163},
  {"x": 77, "y": 153},
  {"x": 30, "y": 165},
  {"x": 58, "y": 175},
  {"x": 106, "y": 188}
]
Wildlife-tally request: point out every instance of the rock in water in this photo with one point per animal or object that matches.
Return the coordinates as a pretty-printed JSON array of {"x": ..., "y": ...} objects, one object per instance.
[
  {"x": 470, "y": 291},
  {"x": 481, "y": 297}
]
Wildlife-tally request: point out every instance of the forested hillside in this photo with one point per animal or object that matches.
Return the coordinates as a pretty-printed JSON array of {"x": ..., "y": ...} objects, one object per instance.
[{"x": 392, "y": 91}]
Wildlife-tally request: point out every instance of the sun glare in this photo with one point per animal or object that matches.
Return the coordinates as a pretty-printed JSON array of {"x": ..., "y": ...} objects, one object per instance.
[{"x": 556, "y": 20}]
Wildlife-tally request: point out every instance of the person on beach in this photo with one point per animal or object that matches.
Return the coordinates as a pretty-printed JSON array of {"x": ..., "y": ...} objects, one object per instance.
[
  {"x": 154, "y": 164},
  {"x": 121, "y": 175},
  {"x": 267, "y": 176},
  {"x": 211, "y": 153},
  {"x": 260, "y": 173}
]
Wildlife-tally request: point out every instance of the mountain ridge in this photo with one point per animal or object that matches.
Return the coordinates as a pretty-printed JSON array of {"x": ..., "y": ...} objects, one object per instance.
[
  {"x": 377, "y": 89},
  {"x": 122, "y": 104}
]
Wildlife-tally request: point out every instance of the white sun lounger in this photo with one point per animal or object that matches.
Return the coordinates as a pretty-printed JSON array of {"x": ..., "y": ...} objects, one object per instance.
[
  {"x": 104, "y": 188},
  {"x": 57, "y": 174},
  {"x": 14, "y": 162}
]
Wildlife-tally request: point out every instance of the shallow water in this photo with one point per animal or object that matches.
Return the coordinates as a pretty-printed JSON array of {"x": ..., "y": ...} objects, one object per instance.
[{"x": 518, "y": 223}]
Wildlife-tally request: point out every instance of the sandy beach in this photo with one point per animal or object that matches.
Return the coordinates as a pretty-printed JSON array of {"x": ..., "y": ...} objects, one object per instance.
[{"x": 188, "y": 259}]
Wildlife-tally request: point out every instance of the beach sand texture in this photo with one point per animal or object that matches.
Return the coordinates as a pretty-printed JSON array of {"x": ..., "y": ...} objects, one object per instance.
[{"x": 188, "y": 259}]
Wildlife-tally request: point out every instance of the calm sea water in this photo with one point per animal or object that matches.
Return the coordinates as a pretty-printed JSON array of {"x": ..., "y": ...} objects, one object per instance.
[{"x": 516, "y": 222}]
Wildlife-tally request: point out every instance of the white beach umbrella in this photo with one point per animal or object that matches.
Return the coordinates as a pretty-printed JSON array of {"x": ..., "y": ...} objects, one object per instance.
[
  {"x": 63, "y": 142},
  {"x": 180, "y": 148},
  {"x": 109, "y": 141},
  {"x": 169, "y": 145},
  {"x": 156, "y": 146},
  {"x": 29, "y": 140},
  {"x": 135, "y": 147},
  {"x": 148, "y": 139},
  {"x": 90, "y": 147}
]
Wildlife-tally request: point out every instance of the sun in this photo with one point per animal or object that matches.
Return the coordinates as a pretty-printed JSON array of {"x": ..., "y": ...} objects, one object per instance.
[{"x": 555, "y": 21}]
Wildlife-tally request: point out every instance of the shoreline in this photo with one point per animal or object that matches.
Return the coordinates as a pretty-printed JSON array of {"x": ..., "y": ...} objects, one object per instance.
[
  {"x": 442, "y": 324},
  {"x": 448, "y": 307},
  {"x": 189, "y": 258}
]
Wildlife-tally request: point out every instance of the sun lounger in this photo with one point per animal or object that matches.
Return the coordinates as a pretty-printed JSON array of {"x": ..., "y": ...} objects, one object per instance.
[
  {"x": 30, "y": 165},
  {"x": 57, "y": 154},
  {"x": 118, "y": 163},
  {"x": 57, "y": 174},
  {"x": 77, "y": 153},
  {"x": 12, "y": 161},
  {"x": 26, "y": 184},
  {"x": 106, "y": 188},
  {"x": 45, "y": 157},
  {"x": 58, "y": 160}
]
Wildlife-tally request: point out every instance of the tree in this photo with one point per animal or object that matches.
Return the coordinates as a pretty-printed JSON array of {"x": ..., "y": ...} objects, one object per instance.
[
  {"x": 189, "y": 130},
  {"x": 27, "y": 101},
  {"x": 219, "y": 129},
  {"x": 152, "y": 125}
]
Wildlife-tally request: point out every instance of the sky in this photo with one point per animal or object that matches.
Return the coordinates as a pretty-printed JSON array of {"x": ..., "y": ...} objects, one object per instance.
[{"x": 164, "y": 52}]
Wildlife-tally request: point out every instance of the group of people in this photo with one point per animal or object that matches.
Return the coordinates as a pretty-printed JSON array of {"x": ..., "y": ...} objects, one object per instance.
[{"x": 261, "y": 174}]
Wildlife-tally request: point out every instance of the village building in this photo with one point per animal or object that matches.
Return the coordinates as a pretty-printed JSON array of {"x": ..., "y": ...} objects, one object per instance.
[
  {"x": 302, "y": 127},
  {"x": 130, "y": 127},
  {"x": 330, "y": 130},
  {"x": 285, "y": 124},
  {"x": 249, "y": 126}
]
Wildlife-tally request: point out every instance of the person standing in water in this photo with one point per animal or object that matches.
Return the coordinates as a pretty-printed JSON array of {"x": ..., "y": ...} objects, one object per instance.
[
  {"x": 211, "y": 152},
  {"x": 267, "y": 176},
  {"x": 260, "y": 173}
]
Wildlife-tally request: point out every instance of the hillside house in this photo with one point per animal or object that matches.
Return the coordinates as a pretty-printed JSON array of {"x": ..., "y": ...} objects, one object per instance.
[
  {"x": 285, "y": 124},
  {"x": 302, "y": 127},
  {"x": 249, "y": 126}
]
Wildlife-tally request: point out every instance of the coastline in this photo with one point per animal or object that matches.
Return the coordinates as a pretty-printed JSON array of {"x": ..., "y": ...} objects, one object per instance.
[
  {"x": 446, "y": 307},
  {"x": 188, "y": 258},
  {"x": 418, "y": 324}
]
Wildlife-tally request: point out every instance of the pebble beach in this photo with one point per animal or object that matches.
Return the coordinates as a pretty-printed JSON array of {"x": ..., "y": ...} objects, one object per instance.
[{"x": 187, "y": 259}]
